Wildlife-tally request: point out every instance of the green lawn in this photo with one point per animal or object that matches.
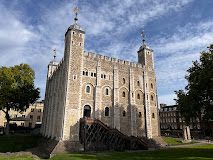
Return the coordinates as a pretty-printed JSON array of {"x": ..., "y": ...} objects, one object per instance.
[
  {"x": 201, "y": 152},
  {"x": 174, "y": 142},
  {"x": 18, "y": 158},
  {"x": 198, "y": 153},
  {"x": 15, "y": 143}
]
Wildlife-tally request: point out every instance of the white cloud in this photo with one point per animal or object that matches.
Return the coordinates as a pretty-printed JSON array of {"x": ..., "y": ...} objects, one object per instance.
[
  {"x": 176, "y": 53},
  {"x": 108, "y": 27},
  {"x": 167, "y": 99}
]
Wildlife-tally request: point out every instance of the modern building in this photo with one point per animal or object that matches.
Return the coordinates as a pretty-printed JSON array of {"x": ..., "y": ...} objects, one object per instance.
[
  {"x": 119, "y": 93},
  {"x": 172, "y": 123},
  {"x": 27, "y": 118}
]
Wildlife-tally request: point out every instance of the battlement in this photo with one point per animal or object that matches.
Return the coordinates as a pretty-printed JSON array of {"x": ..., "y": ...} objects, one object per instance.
[{"x": 112, "y": 60}]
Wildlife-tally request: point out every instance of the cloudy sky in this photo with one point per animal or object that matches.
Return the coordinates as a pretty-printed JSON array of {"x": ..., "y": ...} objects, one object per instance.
[{"x": 177, "y": 31}]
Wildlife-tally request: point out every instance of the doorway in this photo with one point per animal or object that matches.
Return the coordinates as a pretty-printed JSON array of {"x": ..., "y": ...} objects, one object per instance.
[{"x": 87, "y": 111}]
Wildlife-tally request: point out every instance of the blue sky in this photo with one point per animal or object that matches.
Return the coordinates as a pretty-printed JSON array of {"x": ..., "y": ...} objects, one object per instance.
[{"x": 177, "y": 31}]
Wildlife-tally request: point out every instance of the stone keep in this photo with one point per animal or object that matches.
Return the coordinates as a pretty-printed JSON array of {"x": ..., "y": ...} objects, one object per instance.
[{"x": 122, "y": 95}]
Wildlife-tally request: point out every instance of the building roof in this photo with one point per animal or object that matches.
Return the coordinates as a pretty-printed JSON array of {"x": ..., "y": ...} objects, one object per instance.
[
  {"x": 20, "y": 119},
  {"x": 75, "y": 26},
  {"x": 53, "y": 62}
]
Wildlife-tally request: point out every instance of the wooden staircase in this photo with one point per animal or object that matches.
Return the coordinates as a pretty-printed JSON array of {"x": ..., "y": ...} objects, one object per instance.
[{"x": 96, "y": 136}]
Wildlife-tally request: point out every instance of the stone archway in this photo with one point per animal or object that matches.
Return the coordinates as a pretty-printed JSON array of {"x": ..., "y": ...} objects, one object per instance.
[{"x": 87, "y": 111}]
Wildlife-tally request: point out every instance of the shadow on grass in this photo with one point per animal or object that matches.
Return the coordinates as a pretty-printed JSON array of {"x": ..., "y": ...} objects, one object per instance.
[
  {"x": 200, "y": 152},
  {"x": 16, "y": 143}
]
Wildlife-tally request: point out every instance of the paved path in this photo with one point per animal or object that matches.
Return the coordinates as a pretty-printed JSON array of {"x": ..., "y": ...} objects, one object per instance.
[{"x": 200, "y": 143}]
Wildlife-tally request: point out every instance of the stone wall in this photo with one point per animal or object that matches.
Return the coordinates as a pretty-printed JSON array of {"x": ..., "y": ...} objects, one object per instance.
[{"x": 131, "y": 92}]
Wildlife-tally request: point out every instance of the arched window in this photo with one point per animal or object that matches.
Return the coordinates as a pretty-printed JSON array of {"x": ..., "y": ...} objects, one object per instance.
[
  {"x": 83, "y": 73},
  {"x": 124, "y": 113},
  {"x": 153, "y": 115},
  {"x": 138, "y": 96},
  {"x": 107, "y": 91},
  {"x": 88, "y": 89},
  {"x": 151, "y": 85},
  {"x": 123, "y": 80},
  {"x": 151, "y": 98},
  {"x": 138, "y": 83},
  {"x": 107, "y": 112},
  {"x": 123, "y": 94}
]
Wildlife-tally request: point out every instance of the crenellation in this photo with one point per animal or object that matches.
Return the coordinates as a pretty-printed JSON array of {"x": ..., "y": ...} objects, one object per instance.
[
  {"x": 91, "y": 55},
  {"x": 106, "y": 58},
  {"x": 139, "y": 65},
  {"x": 132, "y": 64},
  {"x": 120, "y": 61},
  {"x": 99, "y": 56},
  {"x": 126, "y": 62},
  {"x": 113, "y": 60}
]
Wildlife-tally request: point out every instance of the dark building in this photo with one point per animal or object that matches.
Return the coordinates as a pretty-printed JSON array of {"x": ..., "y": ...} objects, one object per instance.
[{"x": 171, "y": 122}]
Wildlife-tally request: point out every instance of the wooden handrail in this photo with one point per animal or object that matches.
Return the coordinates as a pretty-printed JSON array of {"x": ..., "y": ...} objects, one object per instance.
[{"x": 113, "y": 130}]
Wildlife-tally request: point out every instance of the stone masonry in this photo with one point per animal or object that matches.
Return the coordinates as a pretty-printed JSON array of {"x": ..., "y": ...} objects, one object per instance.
[{"x": 121, "y": 94}]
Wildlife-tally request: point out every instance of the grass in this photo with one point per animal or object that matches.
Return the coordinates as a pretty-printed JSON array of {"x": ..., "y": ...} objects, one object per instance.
[
  {"x": 175, "y": 142},
  {"x": 25, "y": 157},
  {"x": 199, "y": 153},
  {"x": 15, "y": 143},
  {"x": 203, "y": 152}
]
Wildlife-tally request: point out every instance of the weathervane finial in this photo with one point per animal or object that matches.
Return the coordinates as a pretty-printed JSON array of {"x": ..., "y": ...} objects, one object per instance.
[
  {"x": 54, "y": 52},
  {"x": 76, "y": 14},
  {"x": 143, "y": 35}
]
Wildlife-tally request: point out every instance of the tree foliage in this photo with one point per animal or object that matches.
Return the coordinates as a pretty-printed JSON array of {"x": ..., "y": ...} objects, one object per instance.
[
  {"x": 17, "y": 89},
  {"x": 197, "y": 99}
]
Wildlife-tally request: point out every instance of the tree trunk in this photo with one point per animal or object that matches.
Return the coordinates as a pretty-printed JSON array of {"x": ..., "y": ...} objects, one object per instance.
[{"x": 8, "y": 122}]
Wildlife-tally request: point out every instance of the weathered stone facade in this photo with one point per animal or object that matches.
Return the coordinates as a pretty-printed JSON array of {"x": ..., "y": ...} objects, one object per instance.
[{"x": 121, "y": 94}]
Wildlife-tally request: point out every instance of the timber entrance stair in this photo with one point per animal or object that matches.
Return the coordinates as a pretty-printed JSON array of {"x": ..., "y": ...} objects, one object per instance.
[{"x": 96, "y": 136}]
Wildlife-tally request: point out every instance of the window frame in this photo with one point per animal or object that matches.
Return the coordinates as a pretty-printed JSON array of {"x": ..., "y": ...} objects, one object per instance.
[
  {"x": 87, "y": 86},
  {"x": 106, "y": 91},
  {"x": 106, "y": 112}
]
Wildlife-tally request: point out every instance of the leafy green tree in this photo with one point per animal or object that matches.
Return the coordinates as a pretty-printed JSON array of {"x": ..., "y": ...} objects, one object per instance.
[
  {"x": 17, "y": 90},
  {"x": 197, "y": 99}
]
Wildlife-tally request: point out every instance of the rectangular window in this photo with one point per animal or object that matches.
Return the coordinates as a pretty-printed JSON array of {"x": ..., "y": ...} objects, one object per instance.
[
  {"x": 31, "y": 116},
  {"x": 101, "y": 75},
  {"x": 38, "y": 118},
  {"x": 23, "y": 116},
  {"x": 139, "y": 114},
  {"x": 74, "y": 77},
  {"x": 91, "y": 74},
  {"x": 94, "y": 74},
  {"x": 22, "y": 124},
  {"x": 104, "y": 76},
  {"x": 86, "y": 73},
  {"x": 39, "y": 110},
  {"x": 32, "y": 110}
]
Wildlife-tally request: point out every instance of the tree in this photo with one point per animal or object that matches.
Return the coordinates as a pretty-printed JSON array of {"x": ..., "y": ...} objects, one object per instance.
[
  {"x": 196, "y": 102},
  {"x": 17, "y": 90}
]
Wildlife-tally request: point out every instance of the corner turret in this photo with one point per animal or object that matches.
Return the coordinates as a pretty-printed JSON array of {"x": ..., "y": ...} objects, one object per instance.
[
  {"x": 145, "y": 54},
  {"x": 52, "y": 66}
]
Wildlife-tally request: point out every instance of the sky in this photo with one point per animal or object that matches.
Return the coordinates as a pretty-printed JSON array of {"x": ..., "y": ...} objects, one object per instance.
[{"x": 177, "y": 31}]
